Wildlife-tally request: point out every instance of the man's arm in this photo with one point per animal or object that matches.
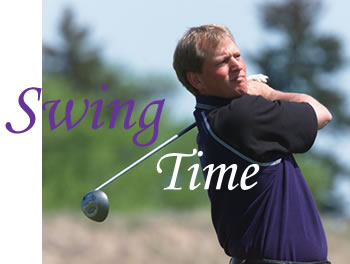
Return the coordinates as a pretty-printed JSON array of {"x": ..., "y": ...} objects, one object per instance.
[{"x": 322, "y": 113}]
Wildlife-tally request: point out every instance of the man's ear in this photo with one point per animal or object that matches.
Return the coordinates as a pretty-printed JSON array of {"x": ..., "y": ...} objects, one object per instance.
[{"x": 195, "y": 80}]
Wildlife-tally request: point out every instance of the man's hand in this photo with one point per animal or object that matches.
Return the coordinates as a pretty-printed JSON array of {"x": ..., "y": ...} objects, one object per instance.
[
  {"x": 259, "y": 88},
  {"x": 258, "y": 77}
]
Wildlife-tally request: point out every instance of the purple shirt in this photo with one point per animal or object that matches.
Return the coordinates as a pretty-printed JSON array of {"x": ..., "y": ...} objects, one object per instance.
[{"x": 277, "y": 218}]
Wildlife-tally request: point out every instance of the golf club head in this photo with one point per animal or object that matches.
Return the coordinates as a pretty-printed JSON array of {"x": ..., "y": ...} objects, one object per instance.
[{"x": 95, "y": 205}]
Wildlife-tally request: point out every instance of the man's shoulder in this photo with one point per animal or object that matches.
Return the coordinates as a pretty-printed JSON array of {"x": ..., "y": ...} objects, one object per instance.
[
  {"x": 248, "y": 101},
  {"x": 240, "y": 108}
]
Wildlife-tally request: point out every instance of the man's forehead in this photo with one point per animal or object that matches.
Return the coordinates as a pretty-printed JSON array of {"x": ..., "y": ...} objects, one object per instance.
[{"x": 224, "y": 47}]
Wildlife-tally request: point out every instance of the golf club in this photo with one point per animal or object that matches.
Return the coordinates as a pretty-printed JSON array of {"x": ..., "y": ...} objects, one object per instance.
[{"x": 95, "y": 203}]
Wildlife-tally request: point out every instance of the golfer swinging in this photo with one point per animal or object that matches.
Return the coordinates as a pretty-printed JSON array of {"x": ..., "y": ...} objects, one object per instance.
[{"x": 247, "y": 122}]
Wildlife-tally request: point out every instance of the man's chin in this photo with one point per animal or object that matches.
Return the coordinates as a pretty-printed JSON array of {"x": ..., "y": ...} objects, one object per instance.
[
  {"x": 236, "y": 93},
  {"x": 241, "y": 89}
]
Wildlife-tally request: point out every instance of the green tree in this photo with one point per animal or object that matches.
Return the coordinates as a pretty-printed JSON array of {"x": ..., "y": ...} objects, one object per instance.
[
  {"x": 305, "y": 62},
  {"x": 78, "y": 61}
]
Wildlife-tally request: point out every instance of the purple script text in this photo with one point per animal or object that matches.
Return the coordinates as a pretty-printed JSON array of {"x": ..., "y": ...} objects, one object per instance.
[{"x": 98, "y": 104}]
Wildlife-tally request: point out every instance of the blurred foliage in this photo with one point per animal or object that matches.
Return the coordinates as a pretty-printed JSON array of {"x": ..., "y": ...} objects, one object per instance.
[
  {"x": 318, "y": 175},
  {"x": 80, "y": 64},
  {"x": 75, "y": 59},
  {"x": 305, "y": 62},
  {"x": 78, "y": 160}
]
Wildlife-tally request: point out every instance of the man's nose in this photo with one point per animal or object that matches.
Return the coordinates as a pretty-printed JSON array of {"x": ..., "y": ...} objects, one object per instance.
[{"x": 235, "y": 64}]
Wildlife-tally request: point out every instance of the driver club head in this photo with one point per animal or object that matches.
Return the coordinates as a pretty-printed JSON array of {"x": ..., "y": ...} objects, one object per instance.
[{"x": 95, "y": 205}]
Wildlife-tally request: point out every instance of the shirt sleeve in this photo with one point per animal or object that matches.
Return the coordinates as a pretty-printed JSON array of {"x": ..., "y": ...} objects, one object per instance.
[{"x": 265, "y": 130}]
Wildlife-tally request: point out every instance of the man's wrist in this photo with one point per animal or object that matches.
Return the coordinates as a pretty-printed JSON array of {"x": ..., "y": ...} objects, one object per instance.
[{"x": 273, "y": 95}]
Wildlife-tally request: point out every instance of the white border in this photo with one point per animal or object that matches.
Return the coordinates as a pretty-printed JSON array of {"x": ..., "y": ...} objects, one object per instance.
[{"x": 20, "y": 170}]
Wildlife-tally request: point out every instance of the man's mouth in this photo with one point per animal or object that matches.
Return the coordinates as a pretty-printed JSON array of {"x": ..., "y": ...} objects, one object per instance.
[{"x": 238, "y": 78}]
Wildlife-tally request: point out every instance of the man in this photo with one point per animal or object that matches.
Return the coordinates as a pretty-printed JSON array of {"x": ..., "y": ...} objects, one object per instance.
[{"x": 247, "y": 122}]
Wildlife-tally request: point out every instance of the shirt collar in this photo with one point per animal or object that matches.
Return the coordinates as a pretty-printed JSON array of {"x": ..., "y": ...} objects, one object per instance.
[{"x": 211, "y": 102}]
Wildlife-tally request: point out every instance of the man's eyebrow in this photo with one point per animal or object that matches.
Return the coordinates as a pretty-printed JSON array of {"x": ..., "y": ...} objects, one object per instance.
[{"x": 228, "y": 54}]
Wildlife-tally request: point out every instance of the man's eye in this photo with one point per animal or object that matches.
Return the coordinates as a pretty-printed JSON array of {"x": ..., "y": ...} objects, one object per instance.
[{"x": 226, "y": 60}]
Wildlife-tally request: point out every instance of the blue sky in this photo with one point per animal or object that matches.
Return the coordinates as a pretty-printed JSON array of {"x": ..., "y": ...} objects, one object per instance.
[{"x": 143, "y": 34}]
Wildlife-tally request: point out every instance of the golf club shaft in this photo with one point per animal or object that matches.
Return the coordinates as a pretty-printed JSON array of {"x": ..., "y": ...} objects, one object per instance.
[{"x": 147, "y": 155}]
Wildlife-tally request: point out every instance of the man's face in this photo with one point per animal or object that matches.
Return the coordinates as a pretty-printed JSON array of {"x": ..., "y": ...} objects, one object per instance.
[{"x": 224, "y": 71}]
